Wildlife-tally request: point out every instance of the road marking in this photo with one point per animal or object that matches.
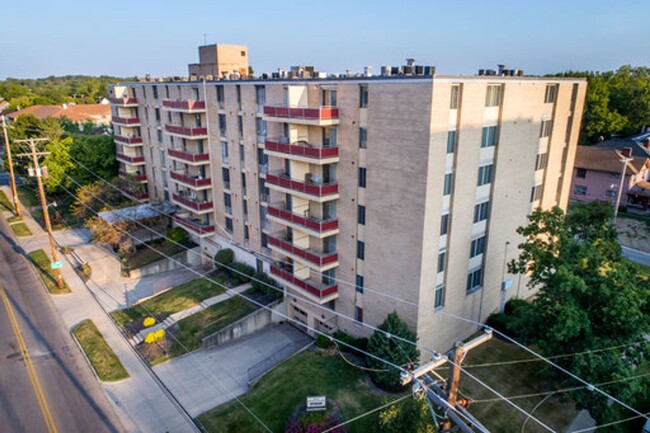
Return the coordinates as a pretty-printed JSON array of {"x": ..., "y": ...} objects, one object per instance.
[{"x": 40, "y": 396}]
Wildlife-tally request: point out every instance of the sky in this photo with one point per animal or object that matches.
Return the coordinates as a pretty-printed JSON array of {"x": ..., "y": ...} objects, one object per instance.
[{"x": 39, "y": 38}]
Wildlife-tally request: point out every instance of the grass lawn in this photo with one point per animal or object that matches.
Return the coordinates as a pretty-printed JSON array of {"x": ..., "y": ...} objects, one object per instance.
[
  {"x": 21, "y": 229},
  {"x": 145, "y": 255},
  {"x": 172, "y": 301},
  {"x": 28, "y": 196},
  {"x": 5, "y": 204},
  {"x": 511, "y": 380},
  {"x": 104, "y": 361},
  {"x": 14, "y": 219},
  {"x": 42, "y": 263},
  {"x": 193, "y": 328},
  {"x": 60, "y": 216},
  {"x": 275, "y": 397}
]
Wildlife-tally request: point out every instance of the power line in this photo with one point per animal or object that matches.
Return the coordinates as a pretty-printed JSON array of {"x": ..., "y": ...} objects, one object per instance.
[{"x": 370, "y": 412}]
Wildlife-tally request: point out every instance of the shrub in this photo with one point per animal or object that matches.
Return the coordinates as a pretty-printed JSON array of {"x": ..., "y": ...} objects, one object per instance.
[
  {"x": 323, "y": 341},
  {"x": 263, "y": 284},
  {"x": 178, "y": 234},
  {"x": 148, "y": 321},
  {"x": 224, "y": 258},
  {"x": 241, "y": 273},
  {"x": 359, "y": 343},
  {"x": 515, "y": 304}
]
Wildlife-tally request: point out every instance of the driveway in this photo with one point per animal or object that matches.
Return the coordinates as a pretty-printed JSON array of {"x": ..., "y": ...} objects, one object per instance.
[{"x": 636, "y": 256}]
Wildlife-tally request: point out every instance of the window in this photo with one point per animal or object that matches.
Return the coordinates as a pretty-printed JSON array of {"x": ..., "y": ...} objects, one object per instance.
[
  {"x": 359, "y": 283},
  {"x": 358, "y": 314},
  {"x": 363, "y": 96},
  {"x": 220, "y": 98},
  {"x": 444, "y": 224},
  {"x": 195, "y": 93},
  {"x": 229, "y": 224},
  {"x": 225, "y": 176},
  {"x": 442, "y": 260},
  {"x": 481, "y": 211},
  {"x": 489, "y": 136},
  {"x": 493, "y": 95},
  {"x": 536, "y": 193},
  {"x": 581, "y": 173},
  {"x": 260, "y": 94},
  {"x": 551, "y": 93},
  {"x": 455, "y": 94},
  {"x": 361, "y": 215},
  {"x": 474, "y": 280},
  {"x": 243, "y": 183},
  {"x": 361, "y": 250},
  {"x": 363, "y": 138},
  {"x": 477, "y": 247},
  {"x": 157, "y": 110},
  {"x": 485, "y": 174},
  {"x": 222, "y": 125},
  {"x": 362, "y": 177},
  {"x": 540, "y": 162},
  {"x": 224, "y": 152},
  {"x": 242, "y": 155},
  {"x": 580, "y": 190},
  {"x": 439, "y": 296},
  {"x": 160, "y": 136},
  {"x": 260, "y": 126},
  {"x": 155, "y": 93},
  {"x": 451, "y": 141},
  {"x": 246, "y": 234},
  {"x": 449, "y": 179},
  {"x": 240, "y": 124},
  {"x": 238, "y": 89},
  {"x": 227, "y": 203},
  {"x": 547, "y": 126}
]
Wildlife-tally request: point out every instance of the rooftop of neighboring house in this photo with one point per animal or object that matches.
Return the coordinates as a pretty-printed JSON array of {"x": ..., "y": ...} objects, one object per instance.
[
  {"x": 640, "y": 144},
  {"x": 607, "y": 159},
  {"x": 96, "y": 113}
]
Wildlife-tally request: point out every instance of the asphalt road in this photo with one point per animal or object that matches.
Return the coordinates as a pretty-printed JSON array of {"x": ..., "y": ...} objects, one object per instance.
[
  {"x": 71, "y": 391},
  {"x": 636, "y": 255}
]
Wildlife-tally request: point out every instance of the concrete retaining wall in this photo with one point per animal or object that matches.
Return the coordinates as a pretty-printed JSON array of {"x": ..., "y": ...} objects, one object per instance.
[
  {"x": 256, "y": 321},
  {"x": 188, "y": 258}
]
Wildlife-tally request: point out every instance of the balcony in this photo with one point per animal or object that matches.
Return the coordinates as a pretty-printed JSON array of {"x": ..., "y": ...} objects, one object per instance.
[
  {"x": 190, "y": 133},
  {"x": 314, "y": 226},
  {"x": 302, "y": 152},
  {"x": 184, "y": 105},
  {"x": 137, "y": 177},
  {"x": 319, "y": 116},
  {"x": 308, "y": 189},
  {"x": 186, "y": 156},
  {"x": 319, "y": 259},
  {"x": 124, "y": 102},
  {"x": 128, "y": 141},
  {"x": 195, "y": 226},
  {"x": 133, "y": 160},
  {"x": 322, "y": 292},
  {"x": 192, "y": 203},
  {"x": 192, "y": 181},
  {"x": 126, "y": 121}
]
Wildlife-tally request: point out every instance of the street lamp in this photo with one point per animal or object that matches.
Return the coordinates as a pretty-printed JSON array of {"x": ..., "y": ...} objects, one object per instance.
[{"x": 627, "y": 157}]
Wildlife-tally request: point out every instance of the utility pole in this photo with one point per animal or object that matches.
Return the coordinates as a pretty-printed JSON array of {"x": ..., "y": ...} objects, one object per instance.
[
  {"x": 46, "y": 216},
  {"x": 12, "y": 179},
  {"x": 626, "y": 157}
]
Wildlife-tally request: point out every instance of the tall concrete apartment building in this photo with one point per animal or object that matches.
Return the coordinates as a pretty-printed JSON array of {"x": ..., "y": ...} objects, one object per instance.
[{"x": 409, "y": 183}]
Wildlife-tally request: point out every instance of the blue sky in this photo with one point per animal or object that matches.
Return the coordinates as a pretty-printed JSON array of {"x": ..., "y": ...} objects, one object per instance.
[{"x": 125, "y": 38}]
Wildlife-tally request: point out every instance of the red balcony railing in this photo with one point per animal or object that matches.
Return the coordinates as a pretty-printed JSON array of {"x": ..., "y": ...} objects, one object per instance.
[
  {"x": 320, "y": 292},
  {"x": 317, "y": 259},
  {"x": 190, "y": 132},
  {"x": 311, "y": 188},
  {"x": 184, "y": 104},
  {"x": 196, "y": 227},
  {"x": 190, "y": 180},
  {"x": 123, "y": 101},
  {"x": 299, "y": 150},
  {"x": 129, "y": 159},
  {"x": 190, "y": 157},
  {"x": 143, "y": 196},
  {"x": 127, "y": 140},
  {"x": 320, "y": 113},
  {"x": 279, "y": 211},
  {"x": 126, "y": 120},
  {"x": 193, "y": 204},
  {"x": 138, "y": 177}
]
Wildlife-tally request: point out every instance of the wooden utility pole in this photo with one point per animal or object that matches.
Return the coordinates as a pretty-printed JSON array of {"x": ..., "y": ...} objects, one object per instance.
[
  {"x": 12, "y": 179},
  {"x": 56, "y": 265}
]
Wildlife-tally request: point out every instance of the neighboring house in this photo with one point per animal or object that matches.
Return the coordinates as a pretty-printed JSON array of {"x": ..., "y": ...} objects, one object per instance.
[
  {"x": 597, "y": 174},
  {"x": 4, "y": 105},
  {"x": 99, "y": 114}
]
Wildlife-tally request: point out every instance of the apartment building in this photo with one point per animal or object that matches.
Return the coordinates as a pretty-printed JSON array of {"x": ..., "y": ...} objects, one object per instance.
[{"x": 409, "y": 183}]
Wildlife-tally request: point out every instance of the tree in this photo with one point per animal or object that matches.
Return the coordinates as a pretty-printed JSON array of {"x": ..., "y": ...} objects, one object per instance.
[
  {"x": 391, "y": 349},
  {"x": 224, "y": 258},
  {"x": 114, "y": 234},
  {"x": 58, "y": 164},
  {"x": 95, "y": 154},
  {"x": 94, "y": 197},
  {"x": 588, "y": 297},
  {"x": 412, "y": 415}
]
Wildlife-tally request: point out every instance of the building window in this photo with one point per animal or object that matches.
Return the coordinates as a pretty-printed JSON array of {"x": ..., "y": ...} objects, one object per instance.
[
  {"x": 540, "y": 162},
  {"x": 451, "y": 141},
  {"x": 477, "y": 247},
  {"x": 444, "y": 224},
  {"x": 227, "y": 203},
  {"x": 359, "y": 283},
  {"x": 439, "y": 296},
  {"x": 361, "y": 214},
  {"x": 485, "y": 174},
  {"x": 224, "y": 152},
  {"x": 243, "y": 183},
  {"x": 361, "y": 250},
  {"x": 220, "y": 97},
  {"x": 358, "y": 314},
  {"x": 442, "y": 260},
  {"x": 362, "y": 177},
  {"x": 238, "y": 88},
  {"x": 160, "y": 136},
  {"x": 155, "y": 93},
  {"x": 240, "y": 124},
  {"x": 474, "y": 280},
  {"x": 581, "y": 173},
  {"x": 580, "y": 190},
  {"x": 260, "y": 94},
  {"x": 157, "y": 111},
  {"x": 242, "y": 155},
  {"x": 481, "y": 211},
  {"x": 493, "y": 95},
  {"x": 363, "y": 138},
  {"x": 536, "y": 193},
  {"x": 547, "y": 126},
  {"x": 229, "y": 224},
  {"x": 455, "y": 94},
  {"x": 551, "y": 93},
  {"x": 246, "y": 233},
  {"x": 446, "y": 189},
  {"x": 363, "y": 96},
  {"x": 225, "y": 176},
  {"x": 222, "y": 125},
  {"x": 489, "y": 136}
]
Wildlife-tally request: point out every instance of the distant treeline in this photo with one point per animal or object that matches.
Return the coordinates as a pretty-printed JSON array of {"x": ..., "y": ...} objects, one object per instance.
[{"x": 22, "y": 93}]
